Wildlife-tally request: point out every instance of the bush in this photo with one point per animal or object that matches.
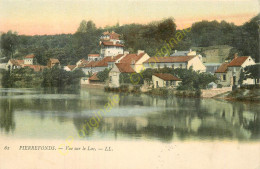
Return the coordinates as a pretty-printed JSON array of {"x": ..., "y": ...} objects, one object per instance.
[{"x": 219, "y": 86}]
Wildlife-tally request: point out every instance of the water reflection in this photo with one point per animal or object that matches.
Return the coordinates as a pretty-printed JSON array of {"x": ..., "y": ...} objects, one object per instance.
[{"x": 134, "y": 117}]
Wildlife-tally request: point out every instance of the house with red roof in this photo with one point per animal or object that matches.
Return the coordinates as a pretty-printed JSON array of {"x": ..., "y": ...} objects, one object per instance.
[
  {"x": 14, "y": 64},
  {"x": 228, "y": 73},
  {"x": 52, "y": 62},
  {"x": 114, "y": 74},
  {"x": 136, "y": 60},
  {"x": 183, "y": 62},
  {"x": 165, "y": 80},
  {"x": 110, "y": 44},
  {"x": 111, "y": 48}
]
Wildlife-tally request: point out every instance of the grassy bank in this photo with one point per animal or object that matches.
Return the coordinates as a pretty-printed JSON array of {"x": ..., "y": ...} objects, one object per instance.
[{"x": 248, "y": 93}]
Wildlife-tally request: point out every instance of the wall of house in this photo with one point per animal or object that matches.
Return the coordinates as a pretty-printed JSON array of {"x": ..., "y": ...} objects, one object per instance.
[
  {"x": 139, "y": 64},
  {"x": 196, "y": 64},
  {"x": 114, "y": 79},
  {"x": 160, "y": 82},
  {"x": 67, "y": 68},
  {"x": 28, "y": 61},
  {"x": 84, "y": 81},
  {"x": 248, "y": 62},
  {"x": 111, "y": 51},
  {"x": 227, "y": 82},
  {"x": 162, "y": 65},
  {"x": 92, "y": 69}
]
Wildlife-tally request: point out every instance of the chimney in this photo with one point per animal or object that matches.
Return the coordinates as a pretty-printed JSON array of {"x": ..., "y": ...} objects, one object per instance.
[
  {"x": 140, "y": 51},
  {"x": 235, "y": 55},
  {"x": 126, "y": 52}
]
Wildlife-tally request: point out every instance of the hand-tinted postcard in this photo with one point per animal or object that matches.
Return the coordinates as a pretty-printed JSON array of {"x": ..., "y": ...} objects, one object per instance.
[{"x": 129, "y": 84}]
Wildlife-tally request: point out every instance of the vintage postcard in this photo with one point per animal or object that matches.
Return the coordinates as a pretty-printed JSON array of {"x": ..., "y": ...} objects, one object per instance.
[{"x": 129, "y": 84}]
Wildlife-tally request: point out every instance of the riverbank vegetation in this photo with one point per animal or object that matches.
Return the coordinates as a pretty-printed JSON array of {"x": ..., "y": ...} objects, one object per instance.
[{"x": 54, "y": 77}]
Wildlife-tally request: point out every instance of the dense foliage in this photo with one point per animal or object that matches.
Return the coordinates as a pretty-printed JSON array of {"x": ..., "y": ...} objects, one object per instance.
[
  {"x": 56, "y": 77},
  {"x": 21, "y": 78},
  {"x": 252, "y": 72},
  {"x": 103, "y": 75},
  {"x": 28, "y": 78}
]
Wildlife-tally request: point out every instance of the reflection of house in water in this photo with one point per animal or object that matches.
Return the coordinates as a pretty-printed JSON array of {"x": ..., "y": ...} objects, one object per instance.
[{"x": 203, "y": 119}]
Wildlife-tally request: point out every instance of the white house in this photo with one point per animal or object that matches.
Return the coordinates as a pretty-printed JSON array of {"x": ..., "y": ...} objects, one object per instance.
[
  {"x": 183, "y": 62},
  {"x": 228, "y": 74},
  {"x": 14, "y": 64},
  {"x": 111, "y": 36},
  {"x": 165, "y": 80},
  {"x": 109, "y": 48},
  {"x": 114, "y": 74}
]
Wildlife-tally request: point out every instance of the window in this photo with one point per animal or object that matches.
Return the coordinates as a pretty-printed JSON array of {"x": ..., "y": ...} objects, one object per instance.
[
  {"x": 224, "y": 77},
  {"x": 110, "y": 78},
  {"x": 157, "y": 84}
]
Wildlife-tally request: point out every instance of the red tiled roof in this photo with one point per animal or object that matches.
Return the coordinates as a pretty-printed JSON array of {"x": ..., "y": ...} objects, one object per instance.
[
  {"x": 17, "y": 62},
  {"x": 71, "y": 67},
  {"x": 36, "y": 68},
  {"x": 83, "y": 63},
  {"x": 112, "y": 35},
  {"x": 94, "y": 77},
  {"x": 105, "y": 60},
  {"x": 131, "y": 58},
  {"x": 222, "y": 68},
  {"x": 90, "y": 64},
  {"x": 171, "y": 59},
  {"x": 238, "y": 61},
  {"x": 93, "y": 55},
  {"x": 112, "y": 44},
  {"x": 115, "y": 58},
  {"x": 30, "y": 56},
  {"x": 54, "y": 60},
  {"x": 125, "y": 68},
  {"x": 166, "y": 76}
]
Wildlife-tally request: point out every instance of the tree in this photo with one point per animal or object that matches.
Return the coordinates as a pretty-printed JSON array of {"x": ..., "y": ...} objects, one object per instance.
[
  {"x": 9, "y": 42},
  {"x": 253, "y": 72},
  {"x": 103, "y": 75},
  {"x": 82, "y": 27}
]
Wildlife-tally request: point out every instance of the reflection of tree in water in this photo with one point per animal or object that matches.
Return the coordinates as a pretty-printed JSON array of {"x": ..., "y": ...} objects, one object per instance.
[
  {"x": 254, "y": 126},
  {"x": 6, "y": 115},
  {"x": 182, "y": 118}
]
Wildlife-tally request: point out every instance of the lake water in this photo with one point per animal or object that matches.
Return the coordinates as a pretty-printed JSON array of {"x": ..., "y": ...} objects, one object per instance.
[{"x": 38, "y": 113}]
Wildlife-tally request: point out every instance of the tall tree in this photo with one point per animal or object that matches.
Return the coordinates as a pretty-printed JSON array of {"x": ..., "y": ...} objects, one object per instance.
[{"x": 9, "y": 42}]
